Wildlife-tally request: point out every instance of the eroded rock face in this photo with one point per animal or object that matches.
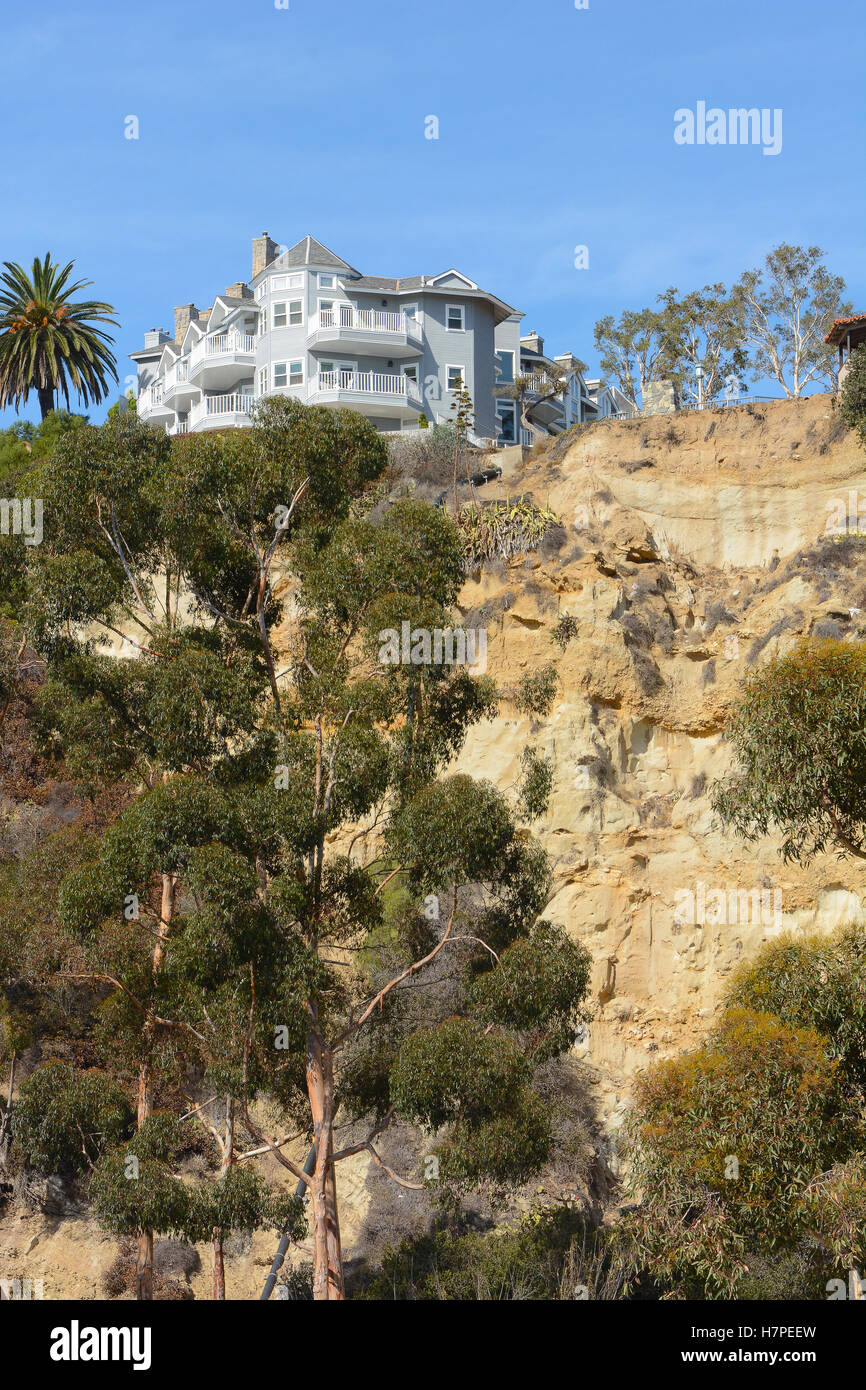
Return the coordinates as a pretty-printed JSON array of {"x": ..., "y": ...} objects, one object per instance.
[{"x": 694, "y": 549}]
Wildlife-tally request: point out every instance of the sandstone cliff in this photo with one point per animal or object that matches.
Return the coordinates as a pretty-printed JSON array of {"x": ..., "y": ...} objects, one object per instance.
[{"x": 693, "y": 548}]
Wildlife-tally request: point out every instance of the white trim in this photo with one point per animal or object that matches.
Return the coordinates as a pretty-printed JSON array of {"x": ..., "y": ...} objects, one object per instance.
[
  {"x": 461, "y": 308},
  {"x": 455, "y": 367},
  {"x": 286, "y": 367},
  {"x": 446, "y": 274},
  {"x": 286, "y": 306}
]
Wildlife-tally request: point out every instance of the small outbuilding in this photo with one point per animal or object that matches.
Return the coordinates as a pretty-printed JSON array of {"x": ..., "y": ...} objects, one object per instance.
[{"x": 847, "y": 334}]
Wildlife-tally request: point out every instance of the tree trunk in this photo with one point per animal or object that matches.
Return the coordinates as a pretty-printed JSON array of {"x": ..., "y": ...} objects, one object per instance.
[
  {"x": 7, "y": 1115},
  {"x": 144, "y": 1262},
  {"x": 218, "y": 1233},
  {"x": 219, "y": 1267},
  {"x": 327, "y": 1252},
  {"x": 46, "y": 399}
]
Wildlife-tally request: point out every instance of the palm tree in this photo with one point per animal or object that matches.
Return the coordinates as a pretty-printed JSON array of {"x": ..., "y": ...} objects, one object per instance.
[{"x": 47, "y": 342}]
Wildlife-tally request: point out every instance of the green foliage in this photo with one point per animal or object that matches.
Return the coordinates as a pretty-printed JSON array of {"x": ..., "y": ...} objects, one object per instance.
[
  {"x": 726, "y": 1142},
  {"x": 535, "y": 691},
  {"x": 475, "y": 1081},
  {"x": 132, "y": 1194},
  {"x": 241, "y": 1200},
  {"x": 787, "y": 308},
  {"x": 49, "y": 341},
  {"x": 852, "y": 397},
  {"x": 798, "y": 735},
  {"x": 503, "y": 529},
  {"x": 219, "y": 911},
  {"x": 635, "y": 350},
  {"x": 816, "y": 982},
  {"x": 453, "y": 831},
  {"x": 545, "y": 1256},
  {"x": 536, "y": 783},
  {"x": 705, "y": 330},
  {"x": 566, "y": 628},
  {"x": 64, "y": 1118},
  {"x": 538, "y": 989}
]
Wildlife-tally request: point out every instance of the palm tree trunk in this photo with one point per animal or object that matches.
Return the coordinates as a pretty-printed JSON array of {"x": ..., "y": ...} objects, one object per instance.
[{"x": 46, "y": 400}]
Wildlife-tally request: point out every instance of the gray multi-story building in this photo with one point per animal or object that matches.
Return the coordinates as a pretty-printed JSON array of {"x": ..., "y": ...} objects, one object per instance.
[{"x": 311, "y": 326}]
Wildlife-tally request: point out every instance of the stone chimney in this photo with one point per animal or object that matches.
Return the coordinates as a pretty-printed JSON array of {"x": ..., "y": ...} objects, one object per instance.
[
  {"x": 239, "y": 291},
  {"x": 533, "y": 343},
  {"x": 182, "y": 315},
  {"x": 659, "y": 398},
  {"x": 264, "y": 251}
]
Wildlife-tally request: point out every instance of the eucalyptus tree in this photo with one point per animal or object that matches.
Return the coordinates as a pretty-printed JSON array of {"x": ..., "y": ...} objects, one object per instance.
[
  {"x": 290, "y": 750},
  {"x": 787, "y": 308}
]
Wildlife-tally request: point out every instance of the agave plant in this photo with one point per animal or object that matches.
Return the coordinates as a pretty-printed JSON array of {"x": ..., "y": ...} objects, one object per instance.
[
  {"x": 48, "y": 342},
  {"x": 503, "y": 529}
]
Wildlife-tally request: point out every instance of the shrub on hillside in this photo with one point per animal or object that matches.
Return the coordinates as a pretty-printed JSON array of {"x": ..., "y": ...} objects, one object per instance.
[
  {"x": 726, "y": 1144},
  {"x": 550, "y": 1254},
  {"x": 813, "y": 982},
  {"x": 852, "y": 397},
  {"x": 64, "y": 1118}
]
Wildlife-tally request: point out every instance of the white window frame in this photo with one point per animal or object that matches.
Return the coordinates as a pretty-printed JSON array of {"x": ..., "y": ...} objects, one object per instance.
[
  {"x": 410, "y": 367},
  {"x": 282, "y": 305},
  {"x": 264, "y": 380},
  {"x": 277, "y": 369},
  {"x": 461, "y": 310},
  {"x": 295, "y": 316},
  {"x": 454, "y": 367},
  {"x": 327, "y": 281},
  {"x": 299, "y": 361}
]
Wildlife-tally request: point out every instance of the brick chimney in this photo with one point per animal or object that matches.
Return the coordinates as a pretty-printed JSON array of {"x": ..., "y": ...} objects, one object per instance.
[
  {"x": 182, "y": 315},
  {"x": 264, "y": 251},
  {"x": 239, "y": 291}
]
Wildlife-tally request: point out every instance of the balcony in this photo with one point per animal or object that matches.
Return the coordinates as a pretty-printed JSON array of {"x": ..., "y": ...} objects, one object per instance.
[
  {"x": 389, "y": 396},
  {"x": 365, "y": 330},
  {"x": 221, "y": 359},
  {"x": 221, "y": 412},
  {"x": 151, "y": 403},
  {"x": 177, "y": 387}
]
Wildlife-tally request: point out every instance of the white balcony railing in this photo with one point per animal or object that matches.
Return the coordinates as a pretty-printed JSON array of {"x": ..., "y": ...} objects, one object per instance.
[
  {"x": 150, "y": 398},
  {"x": 539, "y": 383},
  {"x": 237, "y": 403},
  {"x": 372, "y": 321},
  {"x": 367, "y": 383},
  {"x": 178, "y": 375},
  {"x": 222, "y": 345}
]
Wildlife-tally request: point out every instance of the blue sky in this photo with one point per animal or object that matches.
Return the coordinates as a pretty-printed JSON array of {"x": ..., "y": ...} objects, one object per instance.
[{"x": 555, "y": 130}]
